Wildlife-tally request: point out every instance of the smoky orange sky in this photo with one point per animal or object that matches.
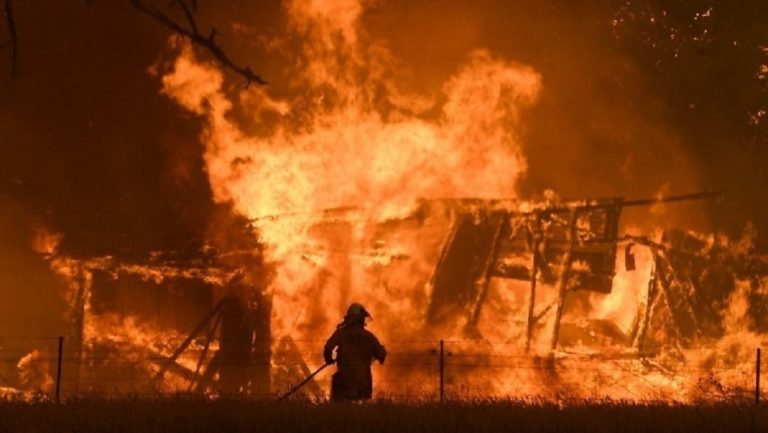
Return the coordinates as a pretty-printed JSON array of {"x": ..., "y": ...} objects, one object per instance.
[{"x": 90, "y": 148}]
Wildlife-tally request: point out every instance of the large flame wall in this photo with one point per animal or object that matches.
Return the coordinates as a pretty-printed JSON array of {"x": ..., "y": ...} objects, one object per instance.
[{"x": 349, "y": 135}]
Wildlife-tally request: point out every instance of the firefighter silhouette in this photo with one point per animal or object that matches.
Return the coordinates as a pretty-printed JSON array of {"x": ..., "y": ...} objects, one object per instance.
[{"x": 355, "y": 348}]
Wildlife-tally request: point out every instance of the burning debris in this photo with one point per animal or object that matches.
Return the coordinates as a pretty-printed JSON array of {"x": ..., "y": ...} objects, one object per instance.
[
  {"x": 695, "y": 278},
  {"x": 201, "y": 323}
]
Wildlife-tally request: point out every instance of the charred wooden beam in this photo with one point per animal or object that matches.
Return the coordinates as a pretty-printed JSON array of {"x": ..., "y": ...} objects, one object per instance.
[
  {"x": 173, "y": 367},
  {"x": 513, "y": 207},
  {"x": 649, "y": 299},
  {"x": 235, "y": 346},
  {"x": 466, "y": 258},
  {"x": 206, "y": 347},
  {"x": 562, "y": 284},
  {"x": 674, "y": 324},
  {"x": 537, "y": 237},
  {"x": 483, "y": 284},
  {"x": 544, "y": 311},
  {"x": 289, "y": 357},
  {"x": 192, "y": 335},
  {"x": 206, "y": 380},
  {"x": 588, "y": 205},
  {"x": 681, "y": 309},
  {"x": 261, "y": 374},
  {"x": 445, "y": 270}
]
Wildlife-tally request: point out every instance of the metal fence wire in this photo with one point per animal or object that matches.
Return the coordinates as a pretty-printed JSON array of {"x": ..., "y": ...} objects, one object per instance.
[{"x": 46, "y": 367}]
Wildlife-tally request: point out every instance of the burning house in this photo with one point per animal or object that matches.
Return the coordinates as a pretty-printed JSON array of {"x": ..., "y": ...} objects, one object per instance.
[{"x": 203, "y": 321}]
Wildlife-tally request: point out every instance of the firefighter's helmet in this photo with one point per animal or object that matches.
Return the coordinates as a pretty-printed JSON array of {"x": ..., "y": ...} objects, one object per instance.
[{"x": 357, "y": 310}]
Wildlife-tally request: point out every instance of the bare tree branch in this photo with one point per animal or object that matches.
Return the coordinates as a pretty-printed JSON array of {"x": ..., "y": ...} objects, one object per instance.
[
  {"x": 207, "y": 42},
  {"x": 8, "y": 12},
  {"x": 188, "y": 14}
]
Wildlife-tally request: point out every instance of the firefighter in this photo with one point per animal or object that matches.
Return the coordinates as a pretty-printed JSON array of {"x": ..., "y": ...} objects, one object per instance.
[{"x": 355, "y": 348}]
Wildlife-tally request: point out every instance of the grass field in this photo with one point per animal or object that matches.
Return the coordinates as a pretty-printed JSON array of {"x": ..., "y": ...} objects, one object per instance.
[{"x": 197, "y": 415}]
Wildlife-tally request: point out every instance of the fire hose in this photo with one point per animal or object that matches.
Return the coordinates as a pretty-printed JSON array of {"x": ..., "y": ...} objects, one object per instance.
[{"x": 303, "y": 382}]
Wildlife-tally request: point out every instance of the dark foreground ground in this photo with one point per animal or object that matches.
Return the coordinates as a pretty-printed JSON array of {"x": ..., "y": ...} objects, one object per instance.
[{"x": 195, "y": 415}]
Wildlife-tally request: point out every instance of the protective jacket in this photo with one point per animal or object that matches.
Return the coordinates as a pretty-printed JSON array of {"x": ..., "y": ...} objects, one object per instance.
[{"x": 355, "y": 348}]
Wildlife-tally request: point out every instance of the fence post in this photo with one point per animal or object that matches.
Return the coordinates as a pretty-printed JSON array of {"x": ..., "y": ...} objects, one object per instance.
[
  {"x": 58, "y": 369},
  {"x": 442, "y": 370},
  {"x": 757, "y": 378}
]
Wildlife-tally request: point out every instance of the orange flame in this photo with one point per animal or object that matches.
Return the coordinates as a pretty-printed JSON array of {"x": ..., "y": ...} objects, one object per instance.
[{"x": 339, "y": 142}]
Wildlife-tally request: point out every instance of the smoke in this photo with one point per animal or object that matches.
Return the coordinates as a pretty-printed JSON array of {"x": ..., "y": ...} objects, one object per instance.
[{"x": 32, "y": 303}]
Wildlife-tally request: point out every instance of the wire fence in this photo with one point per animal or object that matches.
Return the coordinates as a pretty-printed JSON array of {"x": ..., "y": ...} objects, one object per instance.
[{"x": 53, "y": 368}]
